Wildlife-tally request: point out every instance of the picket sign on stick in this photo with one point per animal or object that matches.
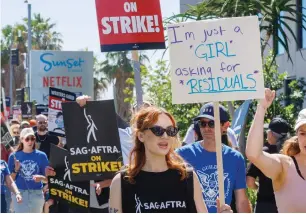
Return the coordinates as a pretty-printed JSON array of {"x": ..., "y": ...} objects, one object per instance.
[
  {"x": 219, "y": 152},
  {"x": 216, "y": 60},
  {"x": 137, "y": 77}
]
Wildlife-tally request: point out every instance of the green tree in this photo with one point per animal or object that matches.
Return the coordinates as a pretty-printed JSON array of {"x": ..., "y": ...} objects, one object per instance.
[
  {"x": 43, "y": 38},
  {"x": 118, "y": 69}
]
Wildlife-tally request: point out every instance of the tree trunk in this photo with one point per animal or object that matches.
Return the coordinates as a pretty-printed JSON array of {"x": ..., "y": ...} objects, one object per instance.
[{"x": 123, "y": 108}]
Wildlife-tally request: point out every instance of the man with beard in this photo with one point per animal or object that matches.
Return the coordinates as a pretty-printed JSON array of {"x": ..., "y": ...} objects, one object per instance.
[{"x": 43, "y": 138}]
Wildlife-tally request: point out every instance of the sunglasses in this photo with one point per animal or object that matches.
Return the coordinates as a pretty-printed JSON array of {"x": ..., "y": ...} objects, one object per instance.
[
  {"x": 30, "y": 139},
  {"x": 16, "y": 133},
  {"x": 203, "y": 124},
  {"x": 159, "y": 131}
]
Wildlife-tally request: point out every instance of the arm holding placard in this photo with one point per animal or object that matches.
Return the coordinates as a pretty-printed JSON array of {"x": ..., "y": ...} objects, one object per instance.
[{"x": 269, "y": 164}]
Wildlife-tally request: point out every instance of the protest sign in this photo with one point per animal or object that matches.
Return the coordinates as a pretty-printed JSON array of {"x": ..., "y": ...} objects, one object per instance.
[
  {"x": 60, "y": 186},
  {"x": 6, "y": 138},
  {"x": 66, "y": 70},
  {"x": 239, "y": 118},
  {"x": 41, "y": 109},
  {"x": 216, "y": 60},
  {"x": 8, "y": 105},
  {"x": 92, "y": 140},
  {"x": 17, "y": 114},
  {"x": 55, "y": 114},
  {"x": 26, "y": 110},
  {"x": 125, "y": 25}
]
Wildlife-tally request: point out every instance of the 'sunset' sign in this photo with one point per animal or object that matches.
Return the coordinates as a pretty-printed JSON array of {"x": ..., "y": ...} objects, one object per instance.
[{"x": 125, "y": 25}]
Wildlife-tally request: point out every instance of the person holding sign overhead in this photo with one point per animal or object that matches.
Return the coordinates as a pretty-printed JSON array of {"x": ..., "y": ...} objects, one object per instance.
[
  {"x": 288, "y": 170},
  {"x": 201, "y": 156},
  {"x": 156, "y": 179}
]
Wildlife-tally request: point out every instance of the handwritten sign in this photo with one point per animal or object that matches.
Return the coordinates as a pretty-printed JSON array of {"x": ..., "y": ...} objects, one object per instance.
[{"x": 216, "y": 60}]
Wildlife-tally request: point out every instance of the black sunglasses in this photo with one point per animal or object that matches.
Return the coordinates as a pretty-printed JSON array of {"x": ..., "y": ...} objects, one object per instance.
[
  {"x": 159, "y": 131},
  {"x": 202, "y": 124}
]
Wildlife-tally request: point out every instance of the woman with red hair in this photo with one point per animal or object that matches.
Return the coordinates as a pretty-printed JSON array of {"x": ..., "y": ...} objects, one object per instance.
[{"x": 156, "y": 179}]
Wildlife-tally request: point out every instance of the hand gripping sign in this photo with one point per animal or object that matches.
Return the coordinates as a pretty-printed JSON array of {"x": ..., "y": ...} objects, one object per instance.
[
  {"x": 130, "y": 25},
  {"x": 216, "y": 60}
]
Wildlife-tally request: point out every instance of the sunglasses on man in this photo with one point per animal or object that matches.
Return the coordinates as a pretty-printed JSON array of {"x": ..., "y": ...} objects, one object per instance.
[
  {"x": 159, "y": 131},
  {"x": 210, "y": 124}
]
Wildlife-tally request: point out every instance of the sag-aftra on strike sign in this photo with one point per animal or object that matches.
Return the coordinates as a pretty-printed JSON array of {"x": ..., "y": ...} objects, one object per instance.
[{"x": 130, "y": 25}]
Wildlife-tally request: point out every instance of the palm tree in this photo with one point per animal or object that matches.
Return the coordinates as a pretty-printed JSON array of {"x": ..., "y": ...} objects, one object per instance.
[
  {"x": 117, "y": 68},
  {"x": 274, "y": 16},
  {"x": 43, "y": 38}
]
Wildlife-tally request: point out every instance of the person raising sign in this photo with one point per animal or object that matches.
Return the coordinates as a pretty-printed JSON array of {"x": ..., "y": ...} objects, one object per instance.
[
  {"x": 288, "y": 170},
  {"x": 156, "y": 178}
]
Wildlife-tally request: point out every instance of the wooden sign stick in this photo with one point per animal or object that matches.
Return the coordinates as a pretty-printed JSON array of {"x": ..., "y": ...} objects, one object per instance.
[{"x": 219, "y": 153}]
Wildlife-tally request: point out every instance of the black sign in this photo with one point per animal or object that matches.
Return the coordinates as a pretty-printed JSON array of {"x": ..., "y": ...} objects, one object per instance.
[
  {"x": 15, "y": 56},
  {"x": 93, "y": 140},
  {"x": 61, "y": 188},
  {"x": 6, "y": 138},
  {"x": 41, "y": 109},
  {"x": 26, "y": 109}
]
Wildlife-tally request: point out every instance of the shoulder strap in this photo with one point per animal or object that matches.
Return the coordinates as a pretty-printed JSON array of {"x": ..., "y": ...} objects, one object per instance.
[
  {"x": 190, "y": 196},
  {"x": 297, "y": 167}
]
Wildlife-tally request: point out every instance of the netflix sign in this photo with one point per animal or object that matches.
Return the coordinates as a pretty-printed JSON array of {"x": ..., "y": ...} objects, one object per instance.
[
  {"x": 130, "y": 25},
  {"x": 67, "y": 70}
]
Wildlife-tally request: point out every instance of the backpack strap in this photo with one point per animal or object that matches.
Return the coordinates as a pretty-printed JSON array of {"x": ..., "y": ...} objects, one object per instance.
[
  {"x": 297, "y": 167},
  {"x": 190, "y": 190}
]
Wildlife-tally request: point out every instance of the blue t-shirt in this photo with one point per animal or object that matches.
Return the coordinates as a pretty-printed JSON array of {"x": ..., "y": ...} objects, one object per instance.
[
  {"x": 31, "y": 164},
  {"x": 205, "y": 166},
  {"x": 4, "y": 172}
]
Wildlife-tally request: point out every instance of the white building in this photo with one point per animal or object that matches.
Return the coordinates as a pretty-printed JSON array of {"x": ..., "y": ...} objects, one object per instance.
[{"x": 295, "y": 70}]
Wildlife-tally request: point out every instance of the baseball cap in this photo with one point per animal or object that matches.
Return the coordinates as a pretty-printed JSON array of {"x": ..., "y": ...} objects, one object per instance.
[
  {"x": 41, "y": 117},
  {"x": 301, "y": 119},
  {"x": 279, "y": 126},
  {"x": 207, "y": 111},
  {"x": 26, "y": 132},
  {"x": 24, "y": 123}
]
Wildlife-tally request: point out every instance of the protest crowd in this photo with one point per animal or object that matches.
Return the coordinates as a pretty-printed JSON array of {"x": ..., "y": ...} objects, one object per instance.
[{"x": 159, "y": 172}]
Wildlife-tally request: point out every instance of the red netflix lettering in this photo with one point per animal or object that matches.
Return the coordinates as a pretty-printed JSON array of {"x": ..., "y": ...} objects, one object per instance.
[{"x": 63, "y": 81}]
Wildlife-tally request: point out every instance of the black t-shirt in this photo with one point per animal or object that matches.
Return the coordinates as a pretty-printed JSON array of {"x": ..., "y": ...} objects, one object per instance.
[
  {"x": 157, "y": 192},
  {"x": 45, "y": 141},
  {"x": 265, "y": 192}
]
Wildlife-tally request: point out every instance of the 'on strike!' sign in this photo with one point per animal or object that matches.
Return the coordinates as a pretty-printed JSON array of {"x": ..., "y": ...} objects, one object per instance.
[
  {"x": 216, "y": 60},
  {"x": 130, "y": 25}
]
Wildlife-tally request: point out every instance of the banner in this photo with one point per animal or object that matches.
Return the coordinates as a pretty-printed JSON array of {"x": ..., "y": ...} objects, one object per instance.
[
  {"x": 125, "y": 25},
  {"x": 66, "y": 70},
  {"x": 17, "y": 114},
  {"x": 55, "y": 114},
  {"x": 26, "y": 110},
  {"x": 240, "y": 117},
  {"x": 216, "y": 60},
  {"x": 92, "y": 140},
  {"x": 60, "y": 186},
  {"x": 41, "y": 109}
]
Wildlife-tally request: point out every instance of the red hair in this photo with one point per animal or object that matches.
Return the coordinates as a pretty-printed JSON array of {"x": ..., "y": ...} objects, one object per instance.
[{"x": 146, "y": 118}]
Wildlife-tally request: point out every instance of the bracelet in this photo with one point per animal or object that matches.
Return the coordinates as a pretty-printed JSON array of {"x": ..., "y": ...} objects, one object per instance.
[{"x": 17, "y": 193}]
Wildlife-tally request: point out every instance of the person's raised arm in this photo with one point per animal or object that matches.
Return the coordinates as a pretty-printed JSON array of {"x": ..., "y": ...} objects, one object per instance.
[
  {"x": 82, "y": 100},
  {"x": 269, "y": 164},
  {"x": 115, "y": 201}
]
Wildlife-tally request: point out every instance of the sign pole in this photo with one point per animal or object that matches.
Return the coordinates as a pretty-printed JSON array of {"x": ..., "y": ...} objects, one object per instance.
[
  {"x": 219, "y": 153},
  {"x": 137, "y": 77}
]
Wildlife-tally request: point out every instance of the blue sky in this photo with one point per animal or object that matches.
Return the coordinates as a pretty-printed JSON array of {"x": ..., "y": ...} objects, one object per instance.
[{"x": 75, "y": 19}]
